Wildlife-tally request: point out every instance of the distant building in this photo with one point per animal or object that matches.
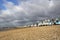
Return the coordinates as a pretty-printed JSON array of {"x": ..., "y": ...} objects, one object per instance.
[{"x": 45, "y": 22}]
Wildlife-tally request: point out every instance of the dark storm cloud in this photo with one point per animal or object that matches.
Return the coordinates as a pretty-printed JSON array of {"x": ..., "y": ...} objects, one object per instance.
[
  {"x": 55, "y": 10},
  {"x": 29, "y": 11}
]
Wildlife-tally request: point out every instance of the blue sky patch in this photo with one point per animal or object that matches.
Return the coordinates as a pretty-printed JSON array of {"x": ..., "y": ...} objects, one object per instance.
[
  {"x": 14, "y": 1},
  {"x": 2, "y": 2}
]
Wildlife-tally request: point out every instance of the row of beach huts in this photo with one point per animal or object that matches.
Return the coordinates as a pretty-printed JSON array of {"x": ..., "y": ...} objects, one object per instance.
[{"x": 48, "y": 22}]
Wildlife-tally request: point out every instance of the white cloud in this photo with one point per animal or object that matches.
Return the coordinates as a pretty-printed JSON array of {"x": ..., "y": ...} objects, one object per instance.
[{"x": 51, "y": 3}]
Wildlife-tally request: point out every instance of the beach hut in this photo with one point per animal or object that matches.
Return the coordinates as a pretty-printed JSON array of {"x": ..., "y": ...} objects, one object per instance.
[
  {"x": 40, "y": 24},
  {"x": 57, "y": 22}
]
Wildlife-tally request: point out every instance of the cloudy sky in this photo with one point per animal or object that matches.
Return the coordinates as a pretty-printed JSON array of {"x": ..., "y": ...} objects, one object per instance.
[{"x": 23, "y": 12}]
